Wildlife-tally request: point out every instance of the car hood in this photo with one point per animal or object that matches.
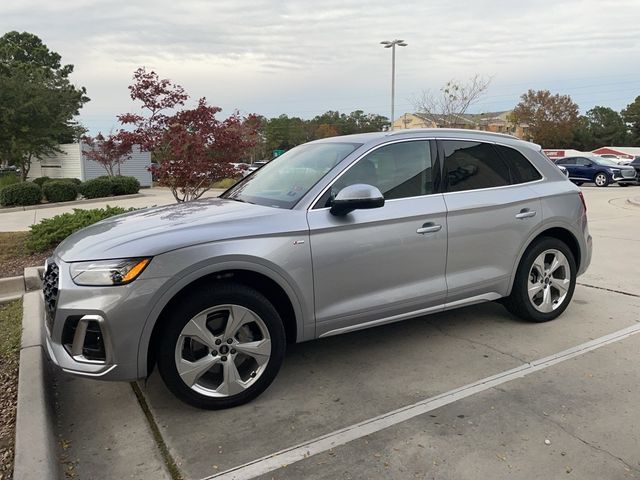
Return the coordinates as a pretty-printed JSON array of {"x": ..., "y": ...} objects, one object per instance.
[{"x": 152, "y": 231}]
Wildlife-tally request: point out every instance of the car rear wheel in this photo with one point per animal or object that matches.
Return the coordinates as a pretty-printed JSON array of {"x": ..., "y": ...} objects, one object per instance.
[
  {"x": 601, "y": 179},
  {"x": 544, "y": 282},
  {"x": 222, "y": 346}
]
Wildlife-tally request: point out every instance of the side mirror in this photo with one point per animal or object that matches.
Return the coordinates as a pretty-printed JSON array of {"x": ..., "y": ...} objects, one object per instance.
[{"x": 356, "y": 197}]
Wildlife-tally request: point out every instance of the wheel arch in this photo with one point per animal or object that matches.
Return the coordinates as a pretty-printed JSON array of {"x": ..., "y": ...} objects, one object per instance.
[
  {"x": 268, "y": 283},
  {"x": 559, "y": 232}
]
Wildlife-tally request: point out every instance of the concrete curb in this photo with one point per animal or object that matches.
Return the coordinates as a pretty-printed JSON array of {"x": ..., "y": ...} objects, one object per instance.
[
  {"x": 35, "y": 448},
  {"x": 12, "y": 288},
  {"x": 634, "y": 201},
  {"x": 74, "y": 202}
]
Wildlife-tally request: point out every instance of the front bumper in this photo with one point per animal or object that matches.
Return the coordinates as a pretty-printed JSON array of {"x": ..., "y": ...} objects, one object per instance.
[{"x": 95, "y": 331}]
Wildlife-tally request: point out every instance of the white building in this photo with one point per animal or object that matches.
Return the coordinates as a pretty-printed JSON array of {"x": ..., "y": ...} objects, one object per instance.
[{"x": 73, "y": 163}]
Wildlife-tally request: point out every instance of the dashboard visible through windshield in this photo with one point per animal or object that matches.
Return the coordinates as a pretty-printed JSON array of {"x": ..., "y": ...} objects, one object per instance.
[{"x": 285, "y": 180}]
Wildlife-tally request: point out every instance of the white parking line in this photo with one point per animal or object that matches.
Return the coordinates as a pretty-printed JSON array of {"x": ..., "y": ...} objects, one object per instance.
[{"x": 340, "y": 437}]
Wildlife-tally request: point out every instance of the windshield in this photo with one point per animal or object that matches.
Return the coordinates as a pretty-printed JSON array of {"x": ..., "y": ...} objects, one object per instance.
[{"x": 285, "y": 180}]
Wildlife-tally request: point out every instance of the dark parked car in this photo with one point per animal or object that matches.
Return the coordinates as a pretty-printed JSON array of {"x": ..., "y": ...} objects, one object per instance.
[
  {"x": 598, "y": 170},
  {"x": 635, "y": 163}
]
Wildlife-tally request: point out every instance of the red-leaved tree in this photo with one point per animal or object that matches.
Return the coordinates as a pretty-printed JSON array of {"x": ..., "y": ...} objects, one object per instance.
[
  {"x": 110, "y": 151},
  {"x": 192, "y": 148}
]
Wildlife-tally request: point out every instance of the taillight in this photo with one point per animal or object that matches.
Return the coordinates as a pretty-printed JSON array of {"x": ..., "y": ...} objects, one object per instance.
[{"x": 584, "y": 204}]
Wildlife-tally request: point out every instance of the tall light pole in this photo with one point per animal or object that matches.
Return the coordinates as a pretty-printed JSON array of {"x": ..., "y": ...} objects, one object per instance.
[{"x": 392, "y": 45}]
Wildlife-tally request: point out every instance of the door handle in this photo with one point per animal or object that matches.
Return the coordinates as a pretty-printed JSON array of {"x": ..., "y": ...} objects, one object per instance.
[
  {"x": 429, "y": 227},
  {"x": 525, "y": 213}
]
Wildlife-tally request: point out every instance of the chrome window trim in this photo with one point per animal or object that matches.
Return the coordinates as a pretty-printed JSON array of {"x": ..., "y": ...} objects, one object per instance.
[
  {"x": 415, "y": 139},
  {"x": 372, "y": 149}
]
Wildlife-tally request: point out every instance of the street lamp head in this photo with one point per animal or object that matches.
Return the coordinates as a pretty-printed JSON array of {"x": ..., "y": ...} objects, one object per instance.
[
  {"x": 402, "y": 44},
  {"x": 386, "y": 42}
]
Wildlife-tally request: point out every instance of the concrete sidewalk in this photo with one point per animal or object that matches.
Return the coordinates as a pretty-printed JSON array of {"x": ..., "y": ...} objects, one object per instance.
[{"x": 21, "y": 220}]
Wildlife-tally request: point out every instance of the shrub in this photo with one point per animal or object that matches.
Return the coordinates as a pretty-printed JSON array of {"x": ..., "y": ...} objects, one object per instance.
[
  {"x": 41, "y": 180},
  {"x": 51, "y": 231},
  {"x": 124, "y": 185},
  {"x": 96, "y": 188},
  {"x": 75, "y": 181},
  {"x": 8, "y": 179},
  {"x": 225, "y": 183},
  {"x": 60, "y": 190},
  {"x": 23, "y": 193}
]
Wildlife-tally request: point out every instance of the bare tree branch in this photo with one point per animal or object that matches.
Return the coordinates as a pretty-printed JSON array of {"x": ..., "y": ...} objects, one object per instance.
[{"x": 445, "y": 107}]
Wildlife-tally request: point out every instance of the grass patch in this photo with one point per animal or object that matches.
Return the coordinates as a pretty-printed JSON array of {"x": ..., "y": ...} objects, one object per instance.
[
  {"x": 15, "y": 256},
  {"x": 10, "y": 334}
]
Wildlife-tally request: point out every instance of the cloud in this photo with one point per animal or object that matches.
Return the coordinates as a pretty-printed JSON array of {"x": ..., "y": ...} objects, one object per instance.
[{"x": 304, "y": 57}]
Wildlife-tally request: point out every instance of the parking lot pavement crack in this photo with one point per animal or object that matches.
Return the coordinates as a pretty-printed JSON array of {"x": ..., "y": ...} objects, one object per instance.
[
  {"x": 609, "y": 290},
  {"x": 547, "y": 419},
  {"x": 476, "y": 342}
]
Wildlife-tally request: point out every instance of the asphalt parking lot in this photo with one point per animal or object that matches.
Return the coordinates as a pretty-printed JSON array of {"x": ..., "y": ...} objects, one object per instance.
[{"x": 458, "y": 395}]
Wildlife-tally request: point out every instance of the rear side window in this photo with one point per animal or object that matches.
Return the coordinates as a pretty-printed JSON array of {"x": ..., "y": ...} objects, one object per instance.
[
  {"x": 473, "y": 165},
  {"x": 520, "y": 168}
]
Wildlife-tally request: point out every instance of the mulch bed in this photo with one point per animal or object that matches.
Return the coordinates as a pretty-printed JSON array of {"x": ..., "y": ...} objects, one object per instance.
[
  {"x": 10, "y": 326},
  {"x": 14, "y": 256}
]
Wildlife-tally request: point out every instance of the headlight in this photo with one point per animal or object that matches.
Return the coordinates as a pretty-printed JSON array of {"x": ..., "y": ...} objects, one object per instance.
[{"x": 108, "y": 272}]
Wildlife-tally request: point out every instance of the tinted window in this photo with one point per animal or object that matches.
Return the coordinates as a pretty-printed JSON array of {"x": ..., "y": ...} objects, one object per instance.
[
  {"x": 473, "y": 165},
  {"x": 399, "y": 170},
  {"x": 520, "y": 168},
  {"x": 583, "y": 161},
  {"x": 567, "y": 161}
]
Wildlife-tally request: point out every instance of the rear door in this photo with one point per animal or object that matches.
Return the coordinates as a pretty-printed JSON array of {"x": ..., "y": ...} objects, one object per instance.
[{"x": 490, "y": 213}]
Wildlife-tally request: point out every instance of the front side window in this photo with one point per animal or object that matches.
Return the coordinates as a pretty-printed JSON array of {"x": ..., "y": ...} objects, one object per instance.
[
  {"x": 583, "y": 161},
  {"x": 285, "y": 180},
  {"x": 473, "y": 165},
  {"x": 398, "y": 170}
]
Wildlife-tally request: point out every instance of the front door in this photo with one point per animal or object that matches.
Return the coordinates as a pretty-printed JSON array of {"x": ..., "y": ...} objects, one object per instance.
[{"x": 381, "y": 265}]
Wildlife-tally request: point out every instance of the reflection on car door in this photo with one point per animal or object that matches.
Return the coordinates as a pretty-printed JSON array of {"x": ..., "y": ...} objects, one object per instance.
[
  {"x": 374, "y": 265},
  {"x": 486, "y": 225}
]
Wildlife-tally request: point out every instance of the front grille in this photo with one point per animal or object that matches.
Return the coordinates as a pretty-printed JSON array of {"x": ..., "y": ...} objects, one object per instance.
[
  {"x": 628, "y": 173},
  {"x": 50, "y": 291}
]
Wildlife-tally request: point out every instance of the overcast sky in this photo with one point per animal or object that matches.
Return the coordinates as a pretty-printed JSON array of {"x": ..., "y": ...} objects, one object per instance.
[{"x": 304, "y": 57}]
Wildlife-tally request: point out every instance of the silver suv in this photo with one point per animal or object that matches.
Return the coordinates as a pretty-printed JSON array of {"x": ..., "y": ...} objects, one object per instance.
[{"x": 334, "y": 236}]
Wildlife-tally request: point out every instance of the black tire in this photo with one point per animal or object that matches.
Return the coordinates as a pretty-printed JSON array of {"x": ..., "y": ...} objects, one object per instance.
[
  {"x": 198, "y": 301},
  {"x": 601, "y": 179},
  {"x": 519, "y": 303}
]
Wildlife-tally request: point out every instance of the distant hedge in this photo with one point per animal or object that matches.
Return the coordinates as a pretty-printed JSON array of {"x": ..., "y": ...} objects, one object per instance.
[
  {"x": 105, "y": 186},
  {"x": 60, "y": 190},
  {"x": 121, "y": 185},
  {"x": 41, "y": 180},
  {"x": 51, "y": 231},
  {"x": 23, "y": 193},
  {"x": 95, "y": 188}
]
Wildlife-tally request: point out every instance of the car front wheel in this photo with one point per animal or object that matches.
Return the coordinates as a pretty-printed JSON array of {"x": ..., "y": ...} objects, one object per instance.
[
  {"x": 544, "y": 282},
  {"x": 601, "y": 179},
  {"x": 221, "y": 347}
]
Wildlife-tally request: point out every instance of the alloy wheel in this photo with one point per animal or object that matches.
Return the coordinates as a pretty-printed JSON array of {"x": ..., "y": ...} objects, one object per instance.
[
  {"x": 601, "y": 180},
  {"x": 222, "y": 350},
  {"x": 549, "y": 280}
]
